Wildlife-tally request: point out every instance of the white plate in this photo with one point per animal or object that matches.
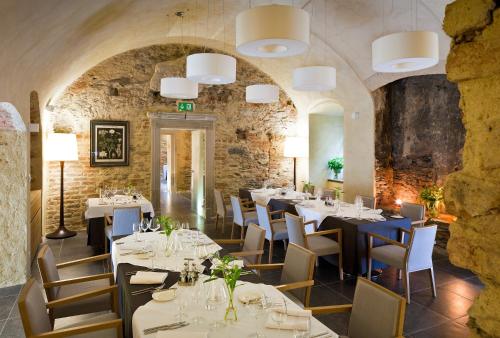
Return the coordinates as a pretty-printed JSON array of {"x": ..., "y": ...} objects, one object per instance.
[
  {"x": 396, "y": 216},
  {"x": 164, "y": 296}
]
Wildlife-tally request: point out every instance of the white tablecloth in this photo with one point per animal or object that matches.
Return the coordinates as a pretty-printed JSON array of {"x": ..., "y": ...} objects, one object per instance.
[
  {"x": 317, "y": 210},
  {"x": 158, "y": 241},
  {"x": 97, "y": 207},
  {"x": 263, "y": 196},
  {"x": 159, "y": 313}
]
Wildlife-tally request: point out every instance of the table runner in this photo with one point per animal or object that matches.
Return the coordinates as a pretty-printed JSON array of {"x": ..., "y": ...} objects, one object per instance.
[{"x": 129, "y": 303}]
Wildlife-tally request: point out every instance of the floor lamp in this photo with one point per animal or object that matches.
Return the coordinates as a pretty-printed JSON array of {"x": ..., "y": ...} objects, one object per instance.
[
  {"x": 296, "y": 147},
  {"x": 61, "y": 147}
]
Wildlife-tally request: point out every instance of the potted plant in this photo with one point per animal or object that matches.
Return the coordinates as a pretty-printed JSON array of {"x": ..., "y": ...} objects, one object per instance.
[
  {"x": 432, "y": 197},
  {"x": 167, "y": 224},
  {"x": 336, "y": 165},
  {"x": 308, "y": 188},
  {"x": 226, "y": 269}
]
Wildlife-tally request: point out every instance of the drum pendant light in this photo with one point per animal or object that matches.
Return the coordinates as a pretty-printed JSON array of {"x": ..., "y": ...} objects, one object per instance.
[
  {"x": 272, "y": 31},
  {"x": 178, "y": 88},
  {"x": 315, "y": 78},
  {"x": 262, "y": 93},
  {"x": 211, "y": 68},
  {"x": 405, "y": 52}
]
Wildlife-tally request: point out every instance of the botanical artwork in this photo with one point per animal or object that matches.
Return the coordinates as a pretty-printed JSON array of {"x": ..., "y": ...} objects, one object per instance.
[{"x": 109, "y": 143}]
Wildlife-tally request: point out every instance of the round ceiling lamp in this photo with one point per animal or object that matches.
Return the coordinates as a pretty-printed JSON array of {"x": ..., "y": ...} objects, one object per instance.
[
  {"x": 211, "y": 68},
  {"x": 178, "y": 88},
  {"x": 315, "y": 78},
  {"x": 405, "y": 52},
  {"x": 272, "y": 31},
  {"x": 262, "y": 93}
]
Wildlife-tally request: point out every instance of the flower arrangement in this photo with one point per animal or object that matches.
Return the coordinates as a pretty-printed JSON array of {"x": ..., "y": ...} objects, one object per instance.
[
  {"x": 226, "y": 269},
  {"x": 166, "y": 223},
  {"x": 308, "y": 187},
  {"x": 336, "y": 165},
  {"x": 432, "y": 197}
]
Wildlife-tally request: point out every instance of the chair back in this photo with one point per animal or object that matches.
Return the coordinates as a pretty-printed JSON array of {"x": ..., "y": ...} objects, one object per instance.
[
  {"x": 415, "y": 212},
  {"x": 237, "y": 210},
  {"x": 264, "y": 218},
  {"x": 421, "y": 246},
  {"x": 219, "y": 203},
  {"x": 254, "y": 240},
  {"x": 48, "y": 270},
  {"x": 298, "y": 267},
  {"x": 296, "y": 231},
  {"x": 32, "y": 309},
  {"x": 368, "y": 202},
  {"x": 124, "y": 218},
  {"x": 376, "y": 312}
]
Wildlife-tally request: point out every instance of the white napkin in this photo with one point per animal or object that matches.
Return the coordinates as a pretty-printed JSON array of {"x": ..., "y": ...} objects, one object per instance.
[
  {"x": 177, "y": 334},
  {"x": 295, "y": 312},
  {"x": 132, "y": 246},
  {"x": 148, "y": 277},
  {"x": 290, "y": 323}
]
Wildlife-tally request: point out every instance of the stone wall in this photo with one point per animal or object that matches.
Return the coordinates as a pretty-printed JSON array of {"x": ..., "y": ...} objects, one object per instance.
[
  {"x": 165, "y": 143},
  {"x": 14, "y": 222},
  {"x": 473, "y": 194},
  {"x": 249, "y": 137},
  {"x": 182, "y": 160},
  {"x": 419, "y": 136}
]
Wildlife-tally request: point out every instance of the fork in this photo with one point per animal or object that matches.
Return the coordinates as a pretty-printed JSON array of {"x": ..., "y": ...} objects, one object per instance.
[
  {"x": 173, "y": 326},
  {"x": 138, "y": 292}
]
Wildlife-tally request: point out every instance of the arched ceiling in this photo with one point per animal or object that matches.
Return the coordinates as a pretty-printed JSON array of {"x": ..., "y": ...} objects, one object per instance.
[{"x": 45, "y": 45}]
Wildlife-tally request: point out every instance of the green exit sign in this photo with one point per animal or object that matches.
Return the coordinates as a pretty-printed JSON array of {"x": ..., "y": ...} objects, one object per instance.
[{"x": 185, "y": 106}]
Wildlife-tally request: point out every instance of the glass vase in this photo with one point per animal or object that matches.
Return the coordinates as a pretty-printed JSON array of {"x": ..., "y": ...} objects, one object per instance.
[{"x": 231, "y": 314}]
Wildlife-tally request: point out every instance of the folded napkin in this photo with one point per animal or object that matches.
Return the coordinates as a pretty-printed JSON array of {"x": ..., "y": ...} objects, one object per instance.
[
  {"x": 148, "y": 277},
  {"x": 177, "y": 334},
  {"x": 294, "y": 312},
  {"x": 290, "y": 323},
  {"x": 132, "y": 246}
]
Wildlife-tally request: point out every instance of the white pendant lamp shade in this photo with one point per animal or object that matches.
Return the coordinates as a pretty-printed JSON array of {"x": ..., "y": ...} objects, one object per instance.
[
  {"x": 315, "y": 78},
  {"x": 211, "y": 68},
  {"x": 405, "y": 52},
  {"x": 262, "y": 93},
  {"x": 272, "y": 31},
  {"x": 178, "y": 88}
]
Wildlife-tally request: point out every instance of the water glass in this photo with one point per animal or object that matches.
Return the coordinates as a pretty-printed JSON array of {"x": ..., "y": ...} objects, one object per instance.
[
  {"x": 136, "y": 227},
  {"x": 304, "y": 332}
]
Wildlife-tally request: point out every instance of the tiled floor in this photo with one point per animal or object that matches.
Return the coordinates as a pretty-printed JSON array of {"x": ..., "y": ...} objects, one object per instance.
[{"x": 444, "y": 316}]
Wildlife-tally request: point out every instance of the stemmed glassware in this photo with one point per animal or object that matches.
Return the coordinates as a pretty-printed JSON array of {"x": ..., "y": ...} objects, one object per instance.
[
  {"x": 303, "y": 332},
  {"x": 255, "y": 310},
  {"x": 154, "y": 225},
  {"x": 358, "y": 203},
  {"x": 279, "y": 314},
  {"x": 145, "y": 225},
  {"x": 216, "y": 297}
]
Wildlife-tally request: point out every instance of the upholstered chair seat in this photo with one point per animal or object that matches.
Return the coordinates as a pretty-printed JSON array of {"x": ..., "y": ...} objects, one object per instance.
[
  {"x": 97, "y": 319},
  {"x": 243, "y": 214},
  {"x": 390, "y": 254},
  {"x": 323, "y": 246}
]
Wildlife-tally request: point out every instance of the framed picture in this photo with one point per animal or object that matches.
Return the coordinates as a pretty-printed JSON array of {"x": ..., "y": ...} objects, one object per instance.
[{"x": 109, "y": 143}]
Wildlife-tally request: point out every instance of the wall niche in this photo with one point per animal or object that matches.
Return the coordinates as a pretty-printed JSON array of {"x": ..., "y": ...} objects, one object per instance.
[{"x": 419, "y": 136}]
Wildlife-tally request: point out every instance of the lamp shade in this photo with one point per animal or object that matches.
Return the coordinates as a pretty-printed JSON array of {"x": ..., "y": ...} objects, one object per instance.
[
  {"x": 296, "y": 147},
  {"x": 61, "y": 147},
  {"x": 272, "y": 31},
  {"x": 211, "y": 68},
  {"x": 178, "y": 88},
  {"x": 405, "y": 52},
  {"x": 262, "y": 93},
  {"x": 315, "y": 78}
]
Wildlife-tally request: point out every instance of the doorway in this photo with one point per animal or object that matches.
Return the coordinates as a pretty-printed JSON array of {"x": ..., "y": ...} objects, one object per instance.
[{"x": 182, "y": 163}]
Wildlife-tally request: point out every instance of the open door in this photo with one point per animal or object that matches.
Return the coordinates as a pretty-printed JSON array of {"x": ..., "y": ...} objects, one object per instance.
[{"x": 198, "y": 171}]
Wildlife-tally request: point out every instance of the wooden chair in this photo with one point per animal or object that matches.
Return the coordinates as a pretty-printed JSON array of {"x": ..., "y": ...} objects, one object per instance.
[
  {"x": 296, "y": 274},
  {"x": 57, "y": 288},
  {"x": 414, "y": 211},
  {"x": 411, "y": 257},
  {"x": 37, "y": 322},
  {"x": 375, "y": 311},
  {"x": 243, "y": 214},
  {"x": 275, "y": 228},
  {"x": 222, "y": 210},
  {"x": 253, "y": 245},
  {"x": 368, "y": 202},
  {"x": 121, "y": 224},
  {"x": 315, "y": 241}
]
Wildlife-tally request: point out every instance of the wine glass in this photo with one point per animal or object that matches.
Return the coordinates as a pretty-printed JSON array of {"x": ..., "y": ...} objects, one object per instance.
[
  {"x": 182, "y": 303},
  {"x": 144, "y": 225},
  {"x": 279, "y": 314},
  {"x": 154, "y": 225},
  {"x": 197, "y": 301},
  {"x": 358, "y": 203},
  {"x": 255, "y": 310},
  {"x": 305, "y": 331},
  {"x": 136, "y": 227},
  {"x": 216, "y": 296}
]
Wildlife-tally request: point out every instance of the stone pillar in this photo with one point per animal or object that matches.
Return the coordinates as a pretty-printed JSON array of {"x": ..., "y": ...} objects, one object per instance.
[
  {"x": 473, "y": 194},
  {"x": 13, "y": 197}
]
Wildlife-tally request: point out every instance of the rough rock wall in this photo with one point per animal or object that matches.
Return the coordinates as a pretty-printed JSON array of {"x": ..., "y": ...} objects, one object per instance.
[
  {"x": 249, "y": 137},
  {"x": 13, "y": 196},
  {"x": 473, "y": 194},
  {"x": 183, "y": 160},
  {"x": 419, "y": 136}
]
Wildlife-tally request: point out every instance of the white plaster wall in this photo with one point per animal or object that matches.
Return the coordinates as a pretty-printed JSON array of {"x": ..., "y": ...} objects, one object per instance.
[{"x": 326, "y": 141}]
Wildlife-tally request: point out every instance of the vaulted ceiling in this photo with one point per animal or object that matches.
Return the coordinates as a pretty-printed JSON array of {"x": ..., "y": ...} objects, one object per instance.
[{"x": 45, "y": 45}]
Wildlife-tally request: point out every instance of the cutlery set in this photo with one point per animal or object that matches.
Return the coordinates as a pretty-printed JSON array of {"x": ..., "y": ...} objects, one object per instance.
[
  {"x": 172, "y": 326},
  {"x": 146, "y": 290}
]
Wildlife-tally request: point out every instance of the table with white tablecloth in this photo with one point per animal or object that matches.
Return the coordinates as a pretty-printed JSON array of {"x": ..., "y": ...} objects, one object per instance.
[{"x": 96, "y": 208}]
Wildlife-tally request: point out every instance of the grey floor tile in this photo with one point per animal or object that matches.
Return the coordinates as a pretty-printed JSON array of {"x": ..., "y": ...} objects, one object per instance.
[
  {"x": 6, "y": 304},
  {"x": 345, "y": 287},
  {"x": 2, "y": 324},
  {"x": 13, "y": 329},
  {"x": 10, "y": 290},
  {"x": 419, "y": 317},
  {"x": 337, "y": 322},
  {"x": 447, "y": 330},
  {"x": 14, "y": 312},
  {"x": 446, "y": 303},
  {"x": 462, "y": 320},
  {"x": 322, "y": 295},
  {"x": 464, "y": 287}
]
